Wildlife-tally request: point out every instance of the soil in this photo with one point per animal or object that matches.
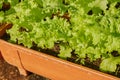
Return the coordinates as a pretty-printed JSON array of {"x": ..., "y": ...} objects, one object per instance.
[{"x": 9, "y": 72}]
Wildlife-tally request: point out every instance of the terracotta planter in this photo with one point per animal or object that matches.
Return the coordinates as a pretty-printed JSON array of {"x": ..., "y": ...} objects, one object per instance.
[
  {"x": 48, "y": 66},
  {"x": 40, "y": 63}
]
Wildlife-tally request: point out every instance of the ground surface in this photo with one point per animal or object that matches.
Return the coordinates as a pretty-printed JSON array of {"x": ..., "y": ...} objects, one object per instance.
[{"x": 9, "y": 72}]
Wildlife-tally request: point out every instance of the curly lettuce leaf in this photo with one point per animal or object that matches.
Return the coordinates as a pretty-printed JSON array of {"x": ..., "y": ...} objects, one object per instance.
[
  {"x": 1, "y": 16},
  {"x": 110, "y": 64}
]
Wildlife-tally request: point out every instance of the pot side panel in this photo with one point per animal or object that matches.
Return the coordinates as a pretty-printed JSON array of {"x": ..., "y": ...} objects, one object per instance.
[
  {"x": 48, "y": 66},
  {"x": 57, "y": 69}
]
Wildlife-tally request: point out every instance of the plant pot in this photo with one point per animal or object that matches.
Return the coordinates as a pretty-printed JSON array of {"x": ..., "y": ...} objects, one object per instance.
[
  {"x": 54, "y": 68},
  {"x": 49, "y": 66}
]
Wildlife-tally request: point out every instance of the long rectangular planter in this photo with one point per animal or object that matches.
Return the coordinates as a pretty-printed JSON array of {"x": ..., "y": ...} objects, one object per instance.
[
  {"x": 49, "y": 66},
  {"x": 54, "y": 68}
]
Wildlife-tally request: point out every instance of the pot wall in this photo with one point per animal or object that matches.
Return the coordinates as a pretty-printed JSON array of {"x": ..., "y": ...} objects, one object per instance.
[{"x": 48, "y": 66}]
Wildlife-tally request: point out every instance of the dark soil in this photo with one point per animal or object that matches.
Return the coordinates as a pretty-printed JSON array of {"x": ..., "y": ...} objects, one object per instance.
[{"x": 9, "y": 72}]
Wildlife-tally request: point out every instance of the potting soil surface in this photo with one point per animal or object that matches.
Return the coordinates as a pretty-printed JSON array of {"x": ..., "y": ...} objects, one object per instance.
[{"x": 9, "y": 72}]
